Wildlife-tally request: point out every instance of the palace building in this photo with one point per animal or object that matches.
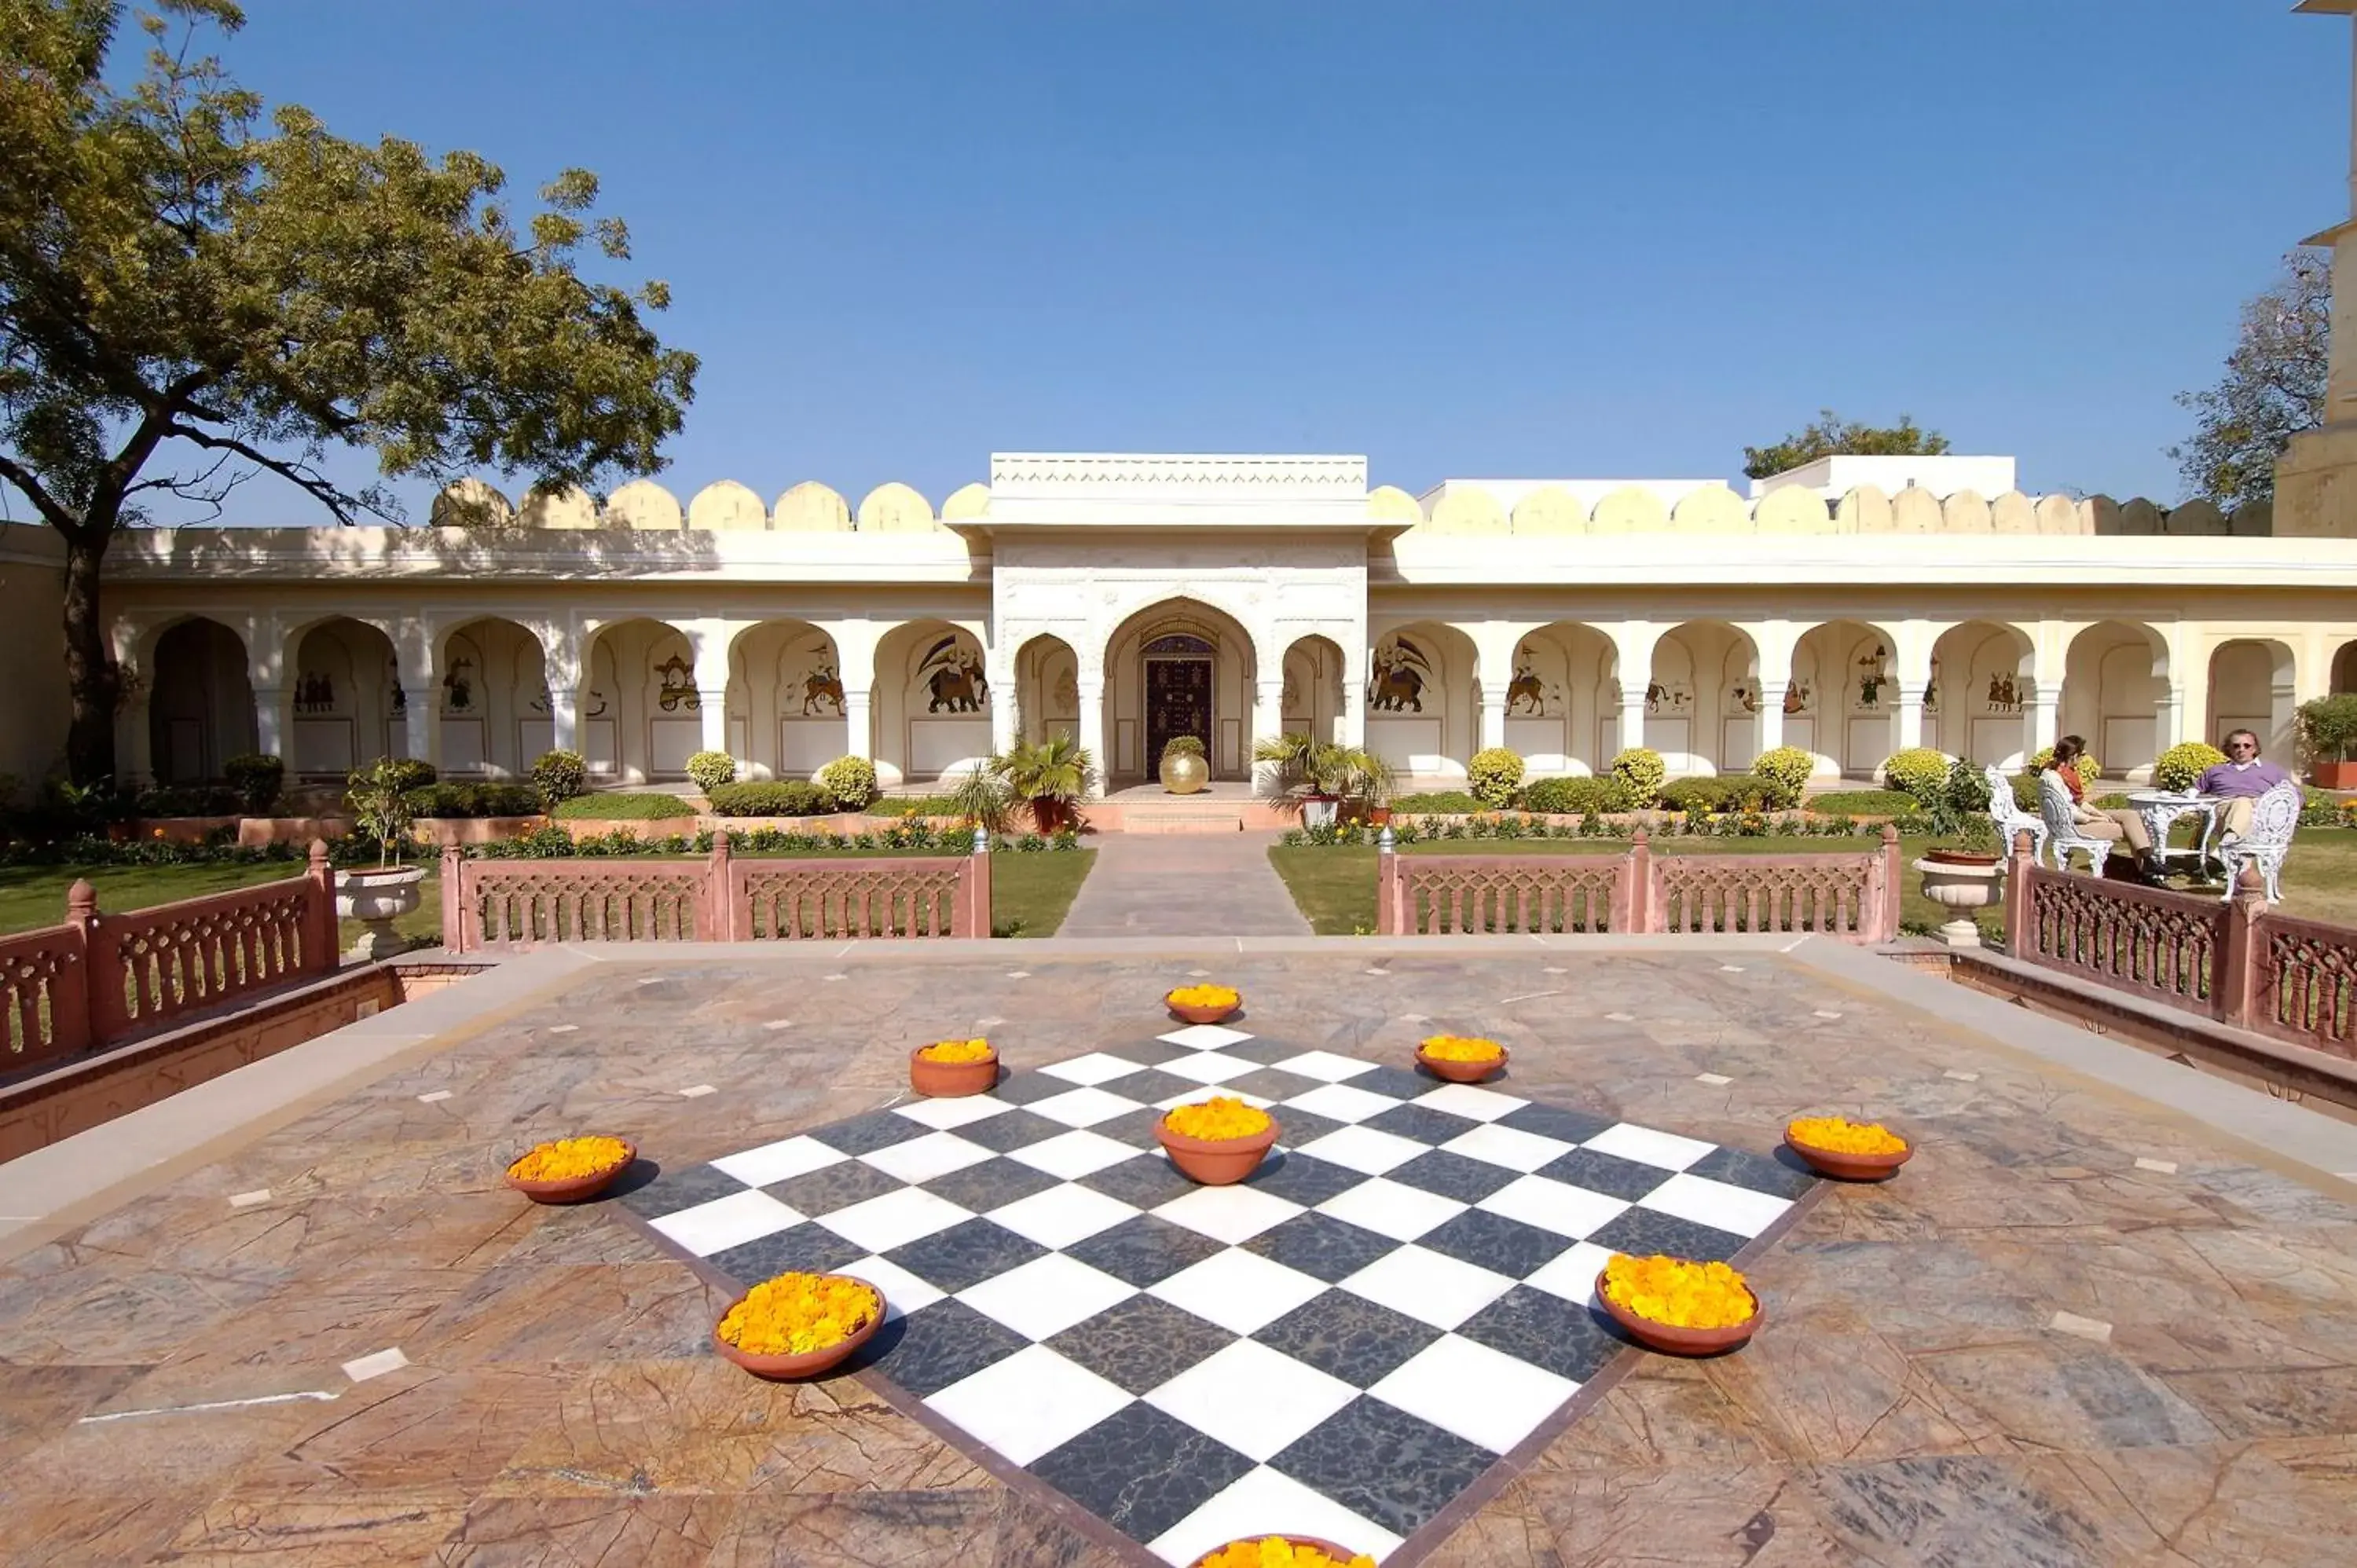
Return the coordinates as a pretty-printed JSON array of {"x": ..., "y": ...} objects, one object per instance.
[{"x": 1852, "y": 609}]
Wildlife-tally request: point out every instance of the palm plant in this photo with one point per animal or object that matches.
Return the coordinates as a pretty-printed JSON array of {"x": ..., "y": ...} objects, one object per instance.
[
  {"x": 1049, "y": 777},
  {"x": 981, "y": 797},
  {"x": 1301, "y": 768}
]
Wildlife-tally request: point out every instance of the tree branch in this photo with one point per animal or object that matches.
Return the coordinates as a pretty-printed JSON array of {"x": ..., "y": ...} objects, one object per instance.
[
  {"x": 53, "y": 511},
  {"x": 344, "y": 506}
]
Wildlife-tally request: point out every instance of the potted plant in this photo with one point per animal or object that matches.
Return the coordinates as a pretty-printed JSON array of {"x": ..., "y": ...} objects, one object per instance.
[
  {"x": 1317, "y": 775},
  {"x": 378, "y": 798},
  {"x": 1184, "y": 768},
  {"x": 2328, "y": 734},
  {"x": 1051, "y": 778}
]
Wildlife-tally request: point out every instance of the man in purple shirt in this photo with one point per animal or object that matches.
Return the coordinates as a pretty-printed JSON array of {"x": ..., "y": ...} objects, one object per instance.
[{"x": 2240, "y": 781}]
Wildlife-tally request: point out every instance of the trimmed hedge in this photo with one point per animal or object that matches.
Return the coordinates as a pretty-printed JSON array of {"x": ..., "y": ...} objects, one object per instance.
[
  {"x": 446, "y": 801},
  {"x": 1863, "y": 803},
  {"x": 851, "y": 781},
  {"x": 1784, "y": 770},
  {"x": 1438, "y": 802},
  {"x": 1493, "y": 776},
  {"x": 607, "y": 807},
  {"x": 561, "y": 775},
  {"x": 772, "y": 798},
  {"x": 1640, "y": 770},
  {"x": 1567, "y": 796}
]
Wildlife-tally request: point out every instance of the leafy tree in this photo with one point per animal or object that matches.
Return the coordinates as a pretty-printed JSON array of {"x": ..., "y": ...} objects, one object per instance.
[
  {"x": 1832, "y": 435},
  {"x": 190, "y": 296},
  {"x": 2273, "y": 389}
]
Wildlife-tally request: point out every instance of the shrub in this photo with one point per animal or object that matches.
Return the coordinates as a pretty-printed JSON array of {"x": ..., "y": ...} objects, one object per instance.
[
  {"x": 1785, "y": 771},
  {"x": 1638, "y": 771},
  {"x": 256, "y": 777},
  {"x": 2180, "y": 765},
  {"x": 560, "y": 775},
  {"x": 2328, "y": 728},
  {"x": 1183, "y": 746},
  {"x": 708, "y": 770},
  {"x": 2111, "y": 802},
  {"x": 1568, "y": 796},
  {"x": 1920, "y": 770},
  {"x": 409, "y": 773},
  {"x": 850, "y": 782},
  {"x": 1862, "y": 803},
  {"x": 775, "y": 798},
  {"x": 2319, "y": 810},
  {"x": 1493, "y": 776},
  {"x": 617, "y": 808},
  {"x": 1437, "y": 803},
  {"x": 1692, "y": 795},
  {"x": 380, "y": 806},
  {"x": 188, "y": 800},
  {"x": 2088, "y": 767},
  {"x": 475, "y": 801},
  {"x": 2025, "y": 791}
]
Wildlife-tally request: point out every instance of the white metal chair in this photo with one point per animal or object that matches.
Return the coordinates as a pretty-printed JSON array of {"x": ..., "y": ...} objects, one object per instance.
[
  {"x": 2010, "y": 818},
  {"x": 2063, "y": 830},
  {"x": 2273, "y": 818}
]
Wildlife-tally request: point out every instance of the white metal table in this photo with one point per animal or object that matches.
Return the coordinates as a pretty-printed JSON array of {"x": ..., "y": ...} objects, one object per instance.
[{"x": 2164, "y": 809}]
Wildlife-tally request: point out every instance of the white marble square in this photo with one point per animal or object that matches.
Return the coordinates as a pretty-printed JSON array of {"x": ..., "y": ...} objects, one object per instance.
[
  {"x": 956, "y": 1110},
  {"x": 1715, "y": 1203},
  {"x": 923, "y": 1159},
  {"x": 1340, "y": 1102},
  {"x": 1716, "y": 1079},
  {"x": 2071, "y": 1322},
  {"x": 1364, "y": 1149},
  {"x": 1482, "y": 1395},
  {"x": 1212, "y": 1091},
  {"x": 904, "y": 1293},
  {"x": 1648, "y": 1147},
  {"x": 1961, "y": 1076},
  {"x": 894, "y": 1219},
  {"x": 697, "y": 1091},
  {"x": 1431, "y": 1287},
  {"x": 1508, "y": 1146},
  {"x": 1205, "y": 1036},
  {"x": 1263, "y": 1501},
  {"x": 1253, "y": 1399},
  {"x": 1391, "y": 1209},
  {"x": 2144, "y": 1163},
  {"x": 1033, "y": 1402},
  {"x": 1229, "y": 1214},
  {"x": 1472, "y": 1101},
  {"x": 1073, "y": 1154},
  {"x": 1555, "y": 1206},
  {"x": 433, "y": 1096},
  {"x": 375, "y": 1364},
  {"x": 1210, "y": 1066},
  {"x": 777, "y": 1162},
  {"x": 248, "y": 1199},
  {"x": 1093, "y": 1069},
  {"x": 1061, "y": 1215},
  {"x": 1241, "y": 1292},
  {"x": 1325, "y": 1065},
  {"x": 1046, "y": 1296},
  {"x": 1082, "y": 1107},
  {"x": 1572, "y": 1274},
  {"x": 726, "y": 1222}
]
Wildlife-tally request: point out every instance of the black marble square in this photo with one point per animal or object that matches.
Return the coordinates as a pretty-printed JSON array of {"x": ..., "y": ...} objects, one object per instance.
[
  {"x": 1453, "y": 1175},
  {"x": 1321, "y": 1246},
  {"x": 1304, "y": 1178},
  {"x": 866, "y": 1135},
  {"x": 994, "y": 1184},
  {"x": 1143, "y": 1252},
  {"x": 1135, "y": 1128},
  {"x": 1140, "y": 1470},
  {"x": 1297, "y": 1126},
  {"x": 1271, "y": 1083},
  {"x": 936, "y": 1346},
  {"x": 830, "y": 1187},
  {"x": 1555, "y": 1121},
  {"x": 1400, "y": 1083},
  {"x": 1147, "y": 1182},
  {"x": 678, "y": 1187},
  {"x": 1643, "y": 1232},
  {"x": 1383, "y": 1464},
  {"x": 1422, "y": 1122},
  {"x": 1755, "y": 1173},
  {"x": 965, "y": 1255},
  {"x": 1263, "y": 1052},
  {"x": 1494, "y": 1242},
  {"x": 1029, "y": 1088},
  {"x": 1607, "y": 1174},
  {"x": 1153, "y": 1085},
  {"x": 1348, "y": 1337},
  {"x": 1011, "y": 1130},
  {"x": 1149, "y": 1052},
  {"x": 814, "y": 1249},
  {"x": 1141, "y": 1344},
  {"x": 1563, "y": 1337}
]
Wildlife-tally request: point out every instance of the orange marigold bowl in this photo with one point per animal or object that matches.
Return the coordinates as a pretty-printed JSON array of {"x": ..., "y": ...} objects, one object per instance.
[
  {"x": 1247, "y": 1553},
  {"x": 1217, "y": 1161},
  {"x": 1674, "y": 1338},
  {"x": 1203, "y": 1004},
  {"x": 1870, "y": 1158},
  {"x": 803, "y": 1363},
  {"x": 576, "y": 1185},
  {"x": 963, "y": 1074},
  {"x": 1459, "y": 1060}
]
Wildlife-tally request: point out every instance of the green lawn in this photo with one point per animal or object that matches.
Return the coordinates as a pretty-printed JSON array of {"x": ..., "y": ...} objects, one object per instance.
[{"x": 1334, "y": 888}]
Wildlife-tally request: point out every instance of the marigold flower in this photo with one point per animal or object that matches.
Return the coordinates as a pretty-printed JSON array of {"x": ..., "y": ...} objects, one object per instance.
[
  {"x": 1205, "y": 996},
  {"x": 1679, "y": 1292},
  {"x": 1840, "y": 1135},
  {"x": 1462, "y": 1048},
  {"x": 956, "y": 1051},
  {"x": 561, "y": 1159},
  {"x": 1276, "y": 1551},
  {"x": 1221, "y": 1116},
  {"x": 797, "y": 1312}
]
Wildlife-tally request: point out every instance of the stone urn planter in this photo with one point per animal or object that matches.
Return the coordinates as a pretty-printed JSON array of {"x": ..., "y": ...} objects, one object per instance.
[
  {"x": 376, "y": 896},
  {"x": 1961, "y": 886},
  {"x": 1320, "y": 810},
  {"x": 1184, "y": 772}
]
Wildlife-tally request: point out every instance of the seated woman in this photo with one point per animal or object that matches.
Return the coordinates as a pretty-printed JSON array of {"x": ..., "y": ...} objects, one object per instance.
[{"x": 2099, "y": 824}]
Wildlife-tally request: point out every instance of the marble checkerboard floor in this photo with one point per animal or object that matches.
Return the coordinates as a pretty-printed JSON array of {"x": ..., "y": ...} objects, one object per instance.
[{"x": 1343, "y": 1344}]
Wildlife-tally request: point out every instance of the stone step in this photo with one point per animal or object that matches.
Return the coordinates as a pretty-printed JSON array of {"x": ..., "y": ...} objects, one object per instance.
[{"x": 1181, "y": 820}]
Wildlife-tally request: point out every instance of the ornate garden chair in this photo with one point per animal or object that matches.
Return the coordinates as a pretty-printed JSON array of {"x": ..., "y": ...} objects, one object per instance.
[
  {"x": 2273, "y": 819},
  {"x": 2010, "y": 818},
  {"x": 2062, "y": 832}
]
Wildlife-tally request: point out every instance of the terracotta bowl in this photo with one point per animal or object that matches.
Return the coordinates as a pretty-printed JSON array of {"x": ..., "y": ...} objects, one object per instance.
[
  {"x": 574, "y": 1189},
  {"x": 1850, "y": 1168},
  {"x": 947, "y": 1080},
  {"x": 1672, "y": 1340},
  {"x": 1199, "y": 1014},
  {"x": 1463, "y": 1072},
  {"x": 1339, "y": 1554},
  {"x": 810, "y": 1363},
  {"x": 1217, "y": 1161}
]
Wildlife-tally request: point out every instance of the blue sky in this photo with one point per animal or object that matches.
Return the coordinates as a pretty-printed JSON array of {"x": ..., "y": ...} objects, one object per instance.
[{"x": 1468, "y": 239}]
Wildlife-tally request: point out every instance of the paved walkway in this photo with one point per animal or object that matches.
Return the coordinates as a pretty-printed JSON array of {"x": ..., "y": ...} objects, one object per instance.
[{"x": 1183, "y": 884}]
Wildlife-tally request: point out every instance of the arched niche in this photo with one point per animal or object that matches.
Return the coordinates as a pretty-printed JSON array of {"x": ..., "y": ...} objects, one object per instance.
[
  {"x": 1563, "y": 701},
  {"x": 493, "y": 709},
  {"x": 200, "y": 704}
]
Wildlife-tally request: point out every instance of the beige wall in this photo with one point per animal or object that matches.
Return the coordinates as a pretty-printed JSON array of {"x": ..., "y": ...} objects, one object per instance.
[{"x": 33, "y": 707}]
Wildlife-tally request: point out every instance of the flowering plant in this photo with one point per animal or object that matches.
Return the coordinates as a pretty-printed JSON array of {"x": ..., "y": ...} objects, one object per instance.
[
  {"x": 1840, "y": 1135},
  {"x": 563, "y": 1159},
  {"x": 1276, "y": 1551},
  {"x": 1462, "y": 1048},
  {"x": 956, "y": 1051},
  {"x": 1221, "y": 1116},
  {"x": 798, "y": 1313},
  {"x": 1678, "y": 1292},
  {"x": 1205, "y": 996}
]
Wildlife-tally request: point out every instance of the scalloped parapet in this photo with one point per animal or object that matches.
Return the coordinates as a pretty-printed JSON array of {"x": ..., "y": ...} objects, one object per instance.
[
  {"x": 810, "y": 508},
  {"x": 894, "y": 507},
  {"x": 471, "y": 503},
  {"x": 726, "y": 506},
  {"x": 642, "y": 503}
]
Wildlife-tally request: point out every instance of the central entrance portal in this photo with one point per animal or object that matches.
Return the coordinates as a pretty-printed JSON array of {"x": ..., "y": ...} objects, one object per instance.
[{"x": 1178, "y": 695}]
